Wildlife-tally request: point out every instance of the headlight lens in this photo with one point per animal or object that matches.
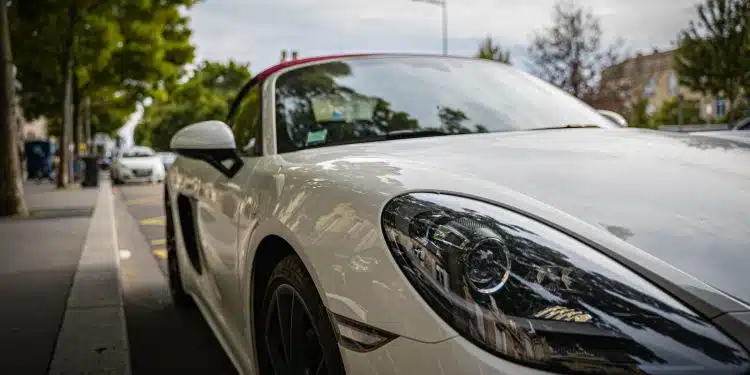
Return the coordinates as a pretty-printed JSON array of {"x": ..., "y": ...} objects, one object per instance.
[{"x": 533, "y": 294}]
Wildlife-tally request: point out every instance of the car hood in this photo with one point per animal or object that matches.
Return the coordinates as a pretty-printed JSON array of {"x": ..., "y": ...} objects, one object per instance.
[
  {"x": 681, "y": 198},
  {"x": 140, "y": 163},
  {"x": 732, "y": 135}
]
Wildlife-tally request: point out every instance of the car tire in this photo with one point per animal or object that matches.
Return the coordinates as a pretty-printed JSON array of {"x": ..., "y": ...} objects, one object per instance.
[
  {"x": 291, "y": 285},
  {"x": 180, "y": 297}
]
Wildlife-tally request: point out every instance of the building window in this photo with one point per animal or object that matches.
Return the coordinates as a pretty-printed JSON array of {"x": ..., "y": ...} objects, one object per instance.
[
  {"x": 720, "y": 107},
  {"x": 650, "y": 87},
  {"x": 674, "y": 85}
]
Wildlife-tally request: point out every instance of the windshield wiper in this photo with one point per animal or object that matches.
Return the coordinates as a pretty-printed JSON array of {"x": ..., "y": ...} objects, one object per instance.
[
  {"x": 399, "y": 134},
  {"x": 414, "y": 134},
  {"x": 569, "y": 126}
]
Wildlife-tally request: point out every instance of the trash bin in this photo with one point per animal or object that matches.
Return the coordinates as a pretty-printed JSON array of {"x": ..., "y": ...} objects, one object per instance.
[{"x": 91, "y": 171}]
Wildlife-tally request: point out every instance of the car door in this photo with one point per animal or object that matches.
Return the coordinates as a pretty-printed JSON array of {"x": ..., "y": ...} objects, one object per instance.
[{"x": 219, "y": 209}]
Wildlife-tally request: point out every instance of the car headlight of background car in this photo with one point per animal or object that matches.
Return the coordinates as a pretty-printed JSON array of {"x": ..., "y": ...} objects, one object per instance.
[{"x": 532, "y": 294}]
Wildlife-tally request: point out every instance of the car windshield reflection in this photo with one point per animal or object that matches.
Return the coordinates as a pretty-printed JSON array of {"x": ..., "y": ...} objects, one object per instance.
[{"x": 386, "y": 98}]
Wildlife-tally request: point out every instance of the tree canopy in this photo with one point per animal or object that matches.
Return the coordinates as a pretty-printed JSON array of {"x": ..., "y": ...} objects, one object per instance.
[
  {"x": 122, "y": 51},
  {"x": 668, "y": 113},
  {"x": 205, "y": 95},
  {"x": 489, "y": 50},
  {"x": 713, "y": 56},
  {"x": 570, "y": 53}
]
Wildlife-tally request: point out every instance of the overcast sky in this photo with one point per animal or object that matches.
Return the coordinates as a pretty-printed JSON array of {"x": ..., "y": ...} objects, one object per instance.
[{"x": 256, "y": 31}]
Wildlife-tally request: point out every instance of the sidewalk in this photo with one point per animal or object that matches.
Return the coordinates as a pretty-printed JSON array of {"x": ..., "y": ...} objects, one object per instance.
[{"x": 61, "y": 309}]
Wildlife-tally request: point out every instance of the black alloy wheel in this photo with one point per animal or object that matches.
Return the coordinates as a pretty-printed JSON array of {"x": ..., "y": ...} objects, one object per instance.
[
  {"x": 297, "y": 337},
  {"x": 180, "y": 298}
]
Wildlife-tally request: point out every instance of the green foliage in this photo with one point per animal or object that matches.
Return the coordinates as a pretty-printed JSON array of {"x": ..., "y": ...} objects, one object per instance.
[
  {"x": 206, "y": 95},
  {"x": 488, "y": 50},
  {"x": 638, "y": 116},
  {"x": 122, "y": 49},
  {"x": 714, "y": 51},
  {"x": 668, "y": 113}
]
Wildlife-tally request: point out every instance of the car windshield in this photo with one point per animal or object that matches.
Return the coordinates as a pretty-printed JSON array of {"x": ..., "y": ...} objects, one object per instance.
[
  {"x": 138, "y": 153},
  {"x": 384, "y": 98}
]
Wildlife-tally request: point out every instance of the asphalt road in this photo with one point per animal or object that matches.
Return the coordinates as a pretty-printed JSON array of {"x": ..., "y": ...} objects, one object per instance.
[{"x": 163, "y": 339}]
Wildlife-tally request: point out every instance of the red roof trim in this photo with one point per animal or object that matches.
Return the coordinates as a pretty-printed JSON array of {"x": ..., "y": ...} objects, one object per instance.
[{"x": 262, "y": 75}]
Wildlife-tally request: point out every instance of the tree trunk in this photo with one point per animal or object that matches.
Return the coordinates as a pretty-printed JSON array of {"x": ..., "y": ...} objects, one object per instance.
[
  {"x": 87, "y": 124},
  {"x": 11, "y": 180},
  {"x": 77, "y": 124},
  {"x": 67, "y": 127}
]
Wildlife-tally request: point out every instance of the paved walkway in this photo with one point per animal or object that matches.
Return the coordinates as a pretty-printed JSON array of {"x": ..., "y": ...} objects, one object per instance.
[{"x": 60, "y": 298}]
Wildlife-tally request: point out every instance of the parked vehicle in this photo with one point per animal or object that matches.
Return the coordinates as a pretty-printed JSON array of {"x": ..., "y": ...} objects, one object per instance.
[
  {"x": 137, "y": 164},
  {"x": 615, "y": 117},
  {"x": 739, "y": 133},
  {"x": 105, "y": 162},
  {"x": 390, "y": 214},
  {"x": 167, "y": 158}
]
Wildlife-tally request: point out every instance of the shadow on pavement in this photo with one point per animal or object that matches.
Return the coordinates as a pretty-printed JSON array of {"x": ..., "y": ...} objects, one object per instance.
[
  {"x": 166, "y": 340},
  {"x": 162, "y": 338},
  {"x": 38, "y": 263}
]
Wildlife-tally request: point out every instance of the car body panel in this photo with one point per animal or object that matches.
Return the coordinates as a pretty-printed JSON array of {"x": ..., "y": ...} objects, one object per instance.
[
  {"x": 606, "y": 188},
  {"x": 346, "y": 239},
  {"x": 167, "y": 158},
  {"x": 565, "y": 168},
  {"x": 456, "y": 356},
  {"x": 203, "y": 287},
  {"x": 741, "y": 136}
]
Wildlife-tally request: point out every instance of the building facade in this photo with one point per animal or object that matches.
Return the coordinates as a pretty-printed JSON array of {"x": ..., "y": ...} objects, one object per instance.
[
  {"x": 27, "y": 129},
  {"x": 652, "y": 77}
]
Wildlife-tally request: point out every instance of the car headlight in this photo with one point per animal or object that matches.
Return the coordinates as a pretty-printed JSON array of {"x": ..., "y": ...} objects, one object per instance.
[{"x": 532, "y": 294}]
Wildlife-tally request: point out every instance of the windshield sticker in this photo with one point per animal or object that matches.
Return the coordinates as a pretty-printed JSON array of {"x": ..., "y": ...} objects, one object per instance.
[{"x": 317, "y": 137}]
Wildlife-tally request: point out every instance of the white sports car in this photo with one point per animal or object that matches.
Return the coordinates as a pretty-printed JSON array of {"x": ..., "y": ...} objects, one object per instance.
[
  {"x": 137, "y": 164},
  {"x": 389, "y": 214}
]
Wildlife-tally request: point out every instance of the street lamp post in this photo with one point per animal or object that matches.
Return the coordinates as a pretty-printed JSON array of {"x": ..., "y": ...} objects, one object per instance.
[{"x": 443, "y": 5}]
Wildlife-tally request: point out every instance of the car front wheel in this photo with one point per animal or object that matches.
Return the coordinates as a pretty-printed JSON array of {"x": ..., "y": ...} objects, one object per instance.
[{"x": 296, "y": 336}]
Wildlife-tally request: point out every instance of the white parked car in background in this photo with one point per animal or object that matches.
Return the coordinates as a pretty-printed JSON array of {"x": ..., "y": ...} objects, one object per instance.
[
  {"x": 435, "y": 215},
  {"x": 167, "y": 158},
  {"x": 137, "y": 164}
]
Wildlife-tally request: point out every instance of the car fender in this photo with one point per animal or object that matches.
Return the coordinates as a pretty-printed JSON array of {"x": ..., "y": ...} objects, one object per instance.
[{"x": 344, "y": 253}]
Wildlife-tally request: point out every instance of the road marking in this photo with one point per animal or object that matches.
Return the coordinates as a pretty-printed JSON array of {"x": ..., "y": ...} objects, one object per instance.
[
  {"x": 157, "y": 221},
  {"x": 160, "y": 253},
  {"x": 144, "y": 201},
  {"x": 125, "y": 254},
  {"x": 159, "y": 242}
]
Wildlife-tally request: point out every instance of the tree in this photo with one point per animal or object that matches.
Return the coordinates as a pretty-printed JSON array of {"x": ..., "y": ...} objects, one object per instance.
[
  {"x": 113, "y": 52},
  {"x": 488, "y": 50},
  {"x": 571, "y": 52},
  {"x": 713, "y": 56},
  {"x": 11, "y": 185},
  {"x": 668, "y": 113},
  {"x": 638, "y": 116},
  {"x": 206, "y": 95}
]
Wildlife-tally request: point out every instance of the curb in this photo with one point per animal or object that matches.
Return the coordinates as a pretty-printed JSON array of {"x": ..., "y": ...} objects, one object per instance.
[{"x": 93, "y": 337}]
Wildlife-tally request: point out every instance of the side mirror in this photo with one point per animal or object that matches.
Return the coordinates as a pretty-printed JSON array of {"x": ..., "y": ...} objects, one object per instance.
[
  {"x": 210, "y": 141},
  {"x": 206, "y": 135},
  {"x": 615, "y": 117}
]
